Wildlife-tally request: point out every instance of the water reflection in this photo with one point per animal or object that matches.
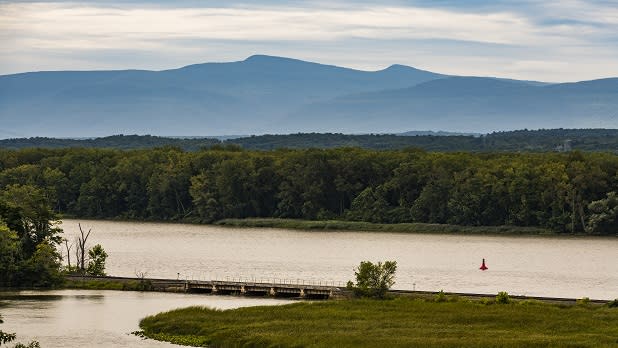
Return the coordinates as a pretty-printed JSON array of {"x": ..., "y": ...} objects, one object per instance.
[{"x": 95, "y": 318}]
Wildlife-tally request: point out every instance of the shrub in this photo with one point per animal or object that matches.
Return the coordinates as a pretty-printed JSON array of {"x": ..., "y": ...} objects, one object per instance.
[
  {"x": 373, "y": 280},
  {"x": 503, "y": 298},
  {"x": 613, "y": 304},
  {"x": 584, "y": 301},
  {"x": 440, "y": 297}
]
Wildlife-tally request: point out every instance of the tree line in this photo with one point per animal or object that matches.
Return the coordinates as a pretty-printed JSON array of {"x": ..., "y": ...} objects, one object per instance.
[
  {"x": 544, "y": 140},
  {"x": 564, "y": 192}
]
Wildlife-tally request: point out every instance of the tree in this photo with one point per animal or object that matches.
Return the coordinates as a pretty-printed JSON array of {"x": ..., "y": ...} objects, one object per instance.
[
  {"x": 27, "y": 211},
  {"x": 43, "y": 268},
  {"x": 374, "y": 279},
  {"x": 28, "y": 238},
  {"x": 9, "y": 255},
  {"x": 96, "y": 264},
  {"x": 604, "y": 217},
  {"x": 80, "y": 251}
]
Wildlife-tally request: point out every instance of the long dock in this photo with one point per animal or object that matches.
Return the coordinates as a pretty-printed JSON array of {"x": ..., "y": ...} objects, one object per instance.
[
  {"x": 280, "y": 288},
  {"x": 275, "y": 288}
]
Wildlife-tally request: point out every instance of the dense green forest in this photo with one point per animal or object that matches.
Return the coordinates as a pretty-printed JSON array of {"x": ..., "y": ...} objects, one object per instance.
[
  {"x": 28, "y": 238},
  {"x": 514, "y": 141},
  {"x": 564, "y": 192}
]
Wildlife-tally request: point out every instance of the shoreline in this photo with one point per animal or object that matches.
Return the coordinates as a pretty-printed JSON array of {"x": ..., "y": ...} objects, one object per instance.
[{"x": 359, "y": 226}]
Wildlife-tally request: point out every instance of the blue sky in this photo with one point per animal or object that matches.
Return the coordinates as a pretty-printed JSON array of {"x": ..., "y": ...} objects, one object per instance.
[{"x": 539, "y": 40}]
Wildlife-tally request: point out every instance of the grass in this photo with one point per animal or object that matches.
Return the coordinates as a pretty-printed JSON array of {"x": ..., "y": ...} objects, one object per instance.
[
  {"x": 107, "y": 285},
  {"x": 374, "y": 227},
  {"x": 400, "y": 322}
]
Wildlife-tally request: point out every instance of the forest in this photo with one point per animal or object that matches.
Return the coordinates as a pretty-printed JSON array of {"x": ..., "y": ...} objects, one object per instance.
[
  {"x": 573, "y": 192},
  {"x": 544, "y": 140}
]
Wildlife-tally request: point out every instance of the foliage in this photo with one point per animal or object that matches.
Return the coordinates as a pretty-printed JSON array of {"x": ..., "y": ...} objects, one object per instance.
[
  {"x": 503, "y": 298},
  {"x": 368, "y": 226},
  {"x": 401, "y": 322},
  {"x": 440, "y": 297},
  {"x": 28, "y": 238},
  {"x": 102, "y": 284},
  {"x": 613, "y": 304},
  {"x": 374, "y": 279},
  {"x": 604, "y": 214},
  {"x": 561, "y": 192},
  {"x": 96, "y": 263},
  {"x": 33, "y": 344},
  {"x": 10, "y": 337},
  {"x": 521, "y": 140}
]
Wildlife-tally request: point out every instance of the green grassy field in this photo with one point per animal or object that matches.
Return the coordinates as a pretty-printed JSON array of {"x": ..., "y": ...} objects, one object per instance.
[
  {"x": 107, "y": 285},
  {"x": 338, "y": 225},
  {"x": 400, "y": 322}
]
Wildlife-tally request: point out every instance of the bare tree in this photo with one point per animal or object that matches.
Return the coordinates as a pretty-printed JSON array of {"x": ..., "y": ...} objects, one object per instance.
[
  {"x": 80, "y": 252},
  {"x": 68, "y": 247}
]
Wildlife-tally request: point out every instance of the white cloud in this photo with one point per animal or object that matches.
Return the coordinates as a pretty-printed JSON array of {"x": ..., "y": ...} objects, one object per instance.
[{"x": 51, "y": 32}]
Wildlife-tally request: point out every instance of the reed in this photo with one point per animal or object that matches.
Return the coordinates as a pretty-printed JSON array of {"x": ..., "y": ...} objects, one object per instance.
[
  {"x": 400, "y": 322},
  {"x": 340, "y": 225}
]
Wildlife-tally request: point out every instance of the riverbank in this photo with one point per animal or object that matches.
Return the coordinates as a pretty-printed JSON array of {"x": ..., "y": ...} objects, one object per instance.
[
  {"x": 442, "y": 321},
  {"x": 360, "y": 226},
  {"x": 340, "y": 225}
]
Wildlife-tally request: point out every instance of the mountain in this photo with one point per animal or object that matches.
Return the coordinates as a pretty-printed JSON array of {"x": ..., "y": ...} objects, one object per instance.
[
  {"x": 264, "y": 94},
  {"x": 469, "y": 104},
  {"x": 249, "y": 96}
]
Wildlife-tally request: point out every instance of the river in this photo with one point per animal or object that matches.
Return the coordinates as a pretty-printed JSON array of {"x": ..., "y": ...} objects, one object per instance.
[
  {"x": 98, "y": 318},
  {"x": 539, "y": 266}
]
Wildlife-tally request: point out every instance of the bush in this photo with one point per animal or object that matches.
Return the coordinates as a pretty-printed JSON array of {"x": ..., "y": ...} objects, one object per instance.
[
  {"x": 503, "y": 298},
  {"x": 613, "y": 304},
  {"x": 440, "y": 297},
  {"x": 373, "y": 280},
  {"x": 584, "y": 301}
]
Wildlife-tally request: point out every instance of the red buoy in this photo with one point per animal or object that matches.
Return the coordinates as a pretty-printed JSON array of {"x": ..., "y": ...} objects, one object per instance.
[{"x": 483, "y": 267}]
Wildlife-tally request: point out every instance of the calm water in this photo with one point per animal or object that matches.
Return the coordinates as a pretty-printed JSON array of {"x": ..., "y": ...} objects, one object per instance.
[
  {"x": 95, "y": 318},
  {"x": 561, "y": 267}
]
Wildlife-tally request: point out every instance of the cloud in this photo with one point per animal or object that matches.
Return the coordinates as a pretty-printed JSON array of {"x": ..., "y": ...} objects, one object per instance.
[{"x": 502, "y": 37}]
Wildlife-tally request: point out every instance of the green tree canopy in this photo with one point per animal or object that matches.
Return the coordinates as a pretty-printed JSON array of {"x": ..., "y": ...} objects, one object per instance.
[{"x": 374, "y": 279}]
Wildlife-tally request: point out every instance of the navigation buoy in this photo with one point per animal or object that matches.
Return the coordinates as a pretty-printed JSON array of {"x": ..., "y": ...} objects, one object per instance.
[{"x": 483, "y": 267}]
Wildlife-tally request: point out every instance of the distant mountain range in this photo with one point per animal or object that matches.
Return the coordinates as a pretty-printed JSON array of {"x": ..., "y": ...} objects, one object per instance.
[
  {"x": 544, "y": 140},
  {"x": 264, "y": 94}
]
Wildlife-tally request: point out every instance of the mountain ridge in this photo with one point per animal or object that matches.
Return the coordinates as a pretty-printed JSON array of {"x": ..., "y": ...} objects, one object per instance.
[{"x": 269, "y": 94}]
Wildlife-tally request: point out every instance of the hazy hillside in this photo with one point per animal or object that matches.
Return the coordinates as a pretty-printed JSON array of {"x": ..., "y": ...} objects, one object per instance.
[
  {"x": 545, "y": 140},
  {"x": 470, "y": 104},
  {"x": 249, "y": 96},
  {"x": 265, "y": 94}
]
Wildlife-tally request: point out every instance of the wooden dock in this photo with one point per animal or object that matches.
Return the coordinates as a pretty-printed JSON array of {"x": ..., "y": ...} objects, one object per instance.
[
  {"x": 275, "y": 288},
  {"x": 290, "y": 289}
]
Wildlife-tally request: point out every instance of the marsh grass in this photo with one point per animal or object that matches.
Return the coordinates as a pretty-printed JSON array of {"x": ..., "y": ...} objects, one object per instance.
[
  {"x": 338, "y": 225},
  {"x": 108, "y": 285},
  {"x": 401, "y": 322}
]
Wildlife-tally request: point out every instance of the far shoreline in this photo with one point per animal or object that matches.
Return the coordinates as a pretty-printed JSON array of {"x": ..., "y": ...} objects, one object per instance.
[{"x": 361, "y": 226}]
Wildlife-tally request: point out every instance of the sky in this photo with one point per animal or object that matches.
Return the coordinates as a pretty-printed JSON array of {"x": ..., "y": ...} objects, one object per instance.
[{"x": 553, "y": 41}]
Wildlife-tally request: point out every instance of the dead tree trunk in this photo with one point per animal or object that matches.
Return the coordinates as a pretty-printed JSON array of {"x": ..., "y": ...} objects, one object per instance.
[
  {"x": 81, "y": 249},
  {"x": 68, "y": 247}
]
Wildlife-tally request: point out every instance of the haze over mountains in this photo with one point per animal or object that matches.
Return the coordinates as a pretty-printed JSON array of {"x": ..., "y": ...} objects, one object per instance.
[{"x": 264, "y": 94}]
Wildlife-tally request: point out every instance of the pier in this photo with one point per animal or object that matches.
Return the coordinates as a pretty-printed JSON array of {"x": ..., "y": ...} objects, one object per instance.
[
  {"x": 291, "y": 289},
  {"x": 246, "y": 287}
]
